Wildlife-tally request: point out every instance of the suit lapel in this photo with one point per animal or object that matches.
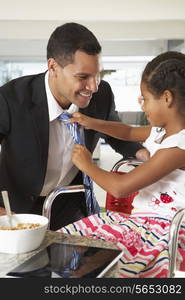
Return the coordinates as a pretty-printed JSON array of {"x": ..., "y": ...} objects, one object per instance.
[{"x": 40, "y": 118}]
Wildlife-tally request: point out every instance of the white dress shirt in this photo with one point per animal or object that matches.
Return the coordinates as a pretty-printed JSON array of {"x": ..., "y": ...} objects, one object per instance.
[{"x": 60, "y": 169}]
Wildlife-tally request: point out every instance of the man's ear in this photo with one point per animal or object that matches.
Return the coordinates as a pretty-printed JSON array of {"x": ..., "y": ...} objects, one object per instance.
[
  {"x": 52, "y": 66},
  {"x": 168, "y": 98}
]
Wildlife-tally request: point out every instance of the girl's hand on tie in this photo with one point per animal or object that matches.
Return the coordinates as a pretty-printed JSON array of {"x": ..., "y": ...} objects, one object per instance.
[{"x": 83, "y": 120}]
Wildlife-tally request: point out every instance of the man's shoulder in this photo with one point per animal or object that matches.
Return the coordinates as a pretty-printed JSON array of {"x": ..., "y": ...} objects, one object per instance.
[
  {"x": 23, "y": 88},
  {"x": 104, "y": 90},
  {"x": 23, "y": 81},
  {"x": 104, "y": 85}
]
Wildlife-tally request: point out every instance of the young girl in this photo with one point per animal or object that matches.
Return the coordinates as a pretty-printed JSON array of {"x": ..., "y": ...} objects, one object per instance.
[{"x": 160, "y": 181}]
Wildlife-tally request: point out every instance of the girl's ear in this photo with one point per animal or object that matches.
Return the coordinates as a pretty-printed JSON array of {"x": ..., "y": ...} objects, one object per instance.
[{"x": 168, "y": 98}]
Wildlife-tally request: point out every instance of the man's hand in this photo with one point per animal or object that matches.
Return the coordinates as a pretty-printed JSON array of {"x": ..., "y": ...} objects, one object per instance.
[{"x": 2, "y": 211}]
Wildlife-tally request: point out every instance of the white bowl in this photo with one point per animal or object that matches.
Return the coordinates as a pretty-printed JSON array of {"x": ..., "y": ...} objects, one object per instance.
[{"x": 22, "y": 240}]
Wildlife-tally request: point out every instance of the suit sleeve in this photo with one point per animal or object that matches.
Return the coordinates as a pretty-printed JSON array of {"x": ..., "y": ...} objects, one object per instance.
[
  {"x": 125, "y": 148},
  {"x": 4, "y": 118}
]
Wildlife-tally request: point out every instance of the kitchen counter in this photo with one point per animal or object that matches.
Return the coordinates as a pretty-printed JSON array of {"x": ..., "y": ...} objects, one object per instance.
[{"x": 11, "y": 261}]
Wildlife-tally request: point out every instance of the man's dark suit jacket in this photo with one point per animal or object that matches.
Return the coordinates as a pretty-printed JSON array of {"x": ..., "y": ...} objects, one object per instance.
[{"x": 24, "y": 135}]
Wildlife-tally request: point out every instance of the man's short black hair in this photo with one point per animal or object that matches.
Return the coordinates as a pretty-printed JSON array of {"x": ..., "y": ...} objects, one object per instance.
[{"x": 67, "y": 39}]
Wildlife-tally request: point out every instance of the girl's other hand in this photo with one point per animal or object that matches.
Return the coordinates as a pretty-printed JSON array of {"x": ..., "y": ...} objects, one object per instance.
[
  {"x": 81, "y": 157},
  {"x": 143, "y": 154}
]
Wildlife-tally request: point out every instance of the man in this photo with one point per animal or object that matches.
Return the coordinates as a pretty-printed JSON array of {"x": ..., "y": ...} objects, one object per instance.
[{"x": 36, "y": 146}]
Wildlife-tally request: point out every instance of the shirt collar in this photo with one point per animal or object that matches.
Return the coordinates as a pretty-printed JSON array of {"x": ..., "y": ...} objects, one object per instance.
[{"x": 54, "y": 108}]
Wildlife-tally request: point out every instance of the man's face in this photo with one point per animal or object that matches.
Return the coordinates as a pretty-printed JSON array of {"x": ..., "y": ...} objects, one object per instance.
[{"x": 77, "y": 81}]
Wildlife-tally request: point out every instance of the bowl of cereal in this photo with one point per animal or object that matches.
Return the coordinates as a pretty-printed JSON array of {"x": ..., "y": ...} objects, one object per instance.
[{"x": 20, "y": 233}]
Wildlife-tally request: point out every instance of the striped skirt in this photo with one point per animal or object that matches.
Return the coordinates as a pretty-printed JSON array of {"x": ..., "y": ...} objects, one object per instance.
[{"x": 143, "y": 239}]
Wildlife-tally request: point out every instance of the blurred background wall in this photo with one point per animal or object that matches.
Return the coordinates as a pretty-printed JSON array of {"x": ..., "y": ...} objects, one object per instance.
[{"x": 130, "y": 32}]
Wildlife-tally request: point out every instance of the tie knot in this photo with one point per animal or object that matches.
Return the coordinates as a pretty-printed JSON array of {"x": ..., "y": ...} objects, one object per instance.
[
  {"x": 65, "y": 116},
  {"x": 72, "y": 127}
]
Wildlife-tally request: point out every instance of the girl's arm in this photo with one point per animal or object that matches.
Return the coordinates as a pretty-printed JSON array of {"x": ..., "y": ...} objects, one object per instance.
[
  {"x": 158, "y": 166},
  {"x": 116, "y": 129}
]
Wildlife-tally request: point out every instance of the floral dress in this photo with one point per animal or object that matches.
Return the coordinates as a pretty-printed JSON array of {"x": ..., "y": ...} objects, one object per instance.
[{"x": 144, "y": 235}]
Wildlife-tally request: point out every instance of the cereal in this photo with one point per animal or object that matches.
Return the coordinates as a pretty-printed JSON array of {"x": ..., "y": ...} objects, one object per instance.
[{"x": 20, "y": 226}]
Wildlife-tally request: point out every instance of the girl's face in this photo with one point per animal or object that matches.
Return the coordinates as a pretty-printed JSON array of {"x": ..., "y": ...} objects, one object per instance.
[{"x": 153, "y": 107}]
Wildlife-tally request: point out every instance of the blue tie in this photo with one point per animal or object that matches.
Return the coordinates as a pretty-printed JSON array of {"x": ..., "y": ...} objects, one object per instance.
[{"x": 91, "y": 202}]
